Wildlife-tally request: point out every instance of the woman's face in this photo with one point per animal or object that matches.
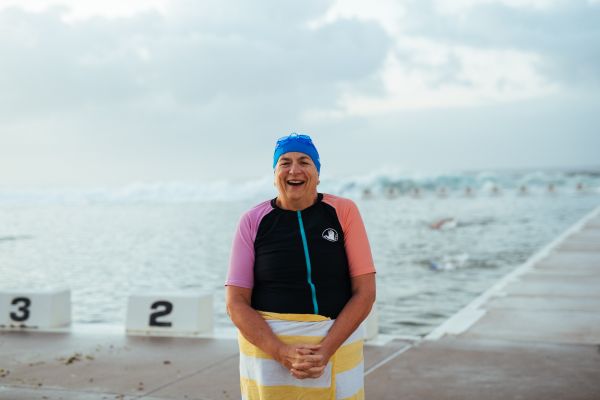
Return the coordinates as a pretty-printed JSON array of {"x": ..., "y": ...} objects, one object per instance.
[{"x": 296, "y": 179}]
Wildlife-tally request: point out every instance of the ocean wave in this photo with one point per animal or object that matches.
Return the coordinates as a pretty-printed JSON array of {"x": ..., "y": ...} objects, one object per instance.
[{"x": 388, "y": 183}]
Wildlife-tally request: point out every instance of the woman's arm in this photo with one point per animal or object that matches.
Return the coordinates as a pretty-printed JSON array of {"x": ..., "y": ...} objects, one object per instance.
[
  {"x": 257, "y": 331},
  {"x": 352, "y": 315}
]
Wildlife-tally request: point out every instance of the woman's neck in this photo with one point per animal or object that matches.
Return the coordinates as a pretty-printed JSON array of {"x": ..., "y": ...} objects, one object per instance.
[{"x": 296, "y": 204}]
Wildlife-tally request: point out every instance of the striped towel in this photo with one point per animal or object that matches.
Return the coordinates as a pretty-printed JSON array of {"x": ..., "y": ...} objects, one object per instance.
[{"x": 263, "y": 378}]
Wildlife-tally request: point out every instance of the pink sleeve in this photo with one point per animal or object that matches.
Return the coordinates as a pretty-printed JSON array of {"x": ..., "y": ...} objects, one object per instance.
[
  {"x": 241, "y": 262},
  {"x": 358, "y": 250}
]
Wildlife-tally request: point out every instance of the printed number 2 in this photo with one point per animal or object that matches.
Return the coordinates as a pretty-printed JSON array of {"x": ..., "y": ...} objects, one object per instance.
[
  {"x": 166, "y": 306},
  {"x": 23, "y": 309}
]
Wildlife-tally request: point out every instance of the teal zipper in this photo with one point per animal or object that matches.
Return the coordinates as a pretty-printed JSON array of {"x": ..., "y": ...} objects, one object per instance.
[{"x": 308, "y": 267}]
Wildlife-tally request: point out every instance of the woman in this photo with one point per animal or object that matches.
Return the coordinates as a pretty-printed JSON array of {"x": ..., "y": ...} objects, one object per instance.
[{"x": 301, "y": 280}]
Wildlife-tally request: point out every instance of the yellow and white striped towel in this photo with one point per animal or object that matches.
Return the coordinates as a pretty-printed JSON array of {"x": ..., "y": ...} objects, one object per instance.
[{"x": 263, "y": 378}]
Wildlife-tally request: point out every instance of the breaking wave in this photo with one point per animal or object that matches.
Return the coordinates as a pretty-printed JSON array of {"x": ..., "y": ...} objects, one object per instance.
[{"x": 378, "y": 183}]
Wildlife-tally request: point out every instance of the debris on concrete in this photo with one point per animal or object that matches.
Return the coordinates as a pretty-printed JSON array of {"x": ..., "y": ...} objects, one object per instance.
[{"x": 74, "y": 358}]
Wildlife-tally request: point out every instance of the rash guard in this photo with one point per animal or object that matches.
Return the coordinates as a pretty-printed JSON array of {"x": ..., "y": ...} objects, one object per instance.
[{"x": 300, "y": 262}]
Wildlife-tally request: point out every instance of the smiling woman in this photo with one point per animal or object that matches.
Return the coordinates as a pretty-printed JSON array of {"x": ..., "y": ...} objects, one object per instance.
[
  {"x": 301, "y": 281},
  {"x": 296, "y": 178}
]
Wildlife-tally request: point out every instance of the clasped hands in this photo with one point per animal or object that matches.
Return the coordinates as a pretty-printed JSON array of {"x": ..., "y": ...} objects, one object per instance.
[{"x": 304, "y": 360}]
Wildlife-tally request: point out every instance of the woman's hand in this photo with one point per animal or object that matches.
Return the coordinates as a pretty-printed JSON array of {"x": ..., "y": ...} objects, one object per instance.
[
  {"x": 303, "y": 360},
  {"x": 312, "y": 368}
]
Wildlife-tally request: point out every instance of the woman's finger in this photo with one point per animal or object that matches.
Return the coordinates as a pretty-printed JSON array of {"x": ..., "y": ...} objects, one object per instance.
[
  {"x": 303, "y": 351},
  {"x": 316, "y": 370},
  {"x": 314, "y": 373},
  {"x": 299, "y": 374},
  {"x": 304, "y": 366},
  {"x": 312, "y": 358},
  {"x": 307, "y": 349}
]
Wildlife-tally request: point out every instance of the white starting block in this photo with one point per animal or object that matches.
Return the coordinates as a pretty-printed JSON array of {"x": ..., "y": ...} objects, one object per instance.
[
  {"x": 35, "y": 309},
  {"x": 169, "y": 314},
  {"x": 372, "y": 324}
]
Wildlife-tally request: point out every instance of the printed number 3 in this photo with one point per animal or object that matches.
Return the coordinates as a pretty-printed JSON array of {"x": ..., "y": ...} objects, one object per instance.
[
  {"x": 166, "y": 306},
  {"x": 24, "y": 309}
]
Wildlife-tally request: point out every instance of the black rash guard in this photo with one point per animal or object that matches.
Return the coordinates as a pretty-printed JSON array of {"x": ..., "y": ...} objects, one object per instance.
[{"x": 301, "y": 262}]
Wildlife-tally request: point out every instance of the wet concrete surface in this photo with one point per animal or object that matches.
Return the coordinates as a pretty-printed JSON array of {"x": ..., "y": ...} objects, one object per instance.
[
  {"x": 110, "y": 366},
  {"x": 468, "y": 368},
  {"x": 38, "y": 365}
]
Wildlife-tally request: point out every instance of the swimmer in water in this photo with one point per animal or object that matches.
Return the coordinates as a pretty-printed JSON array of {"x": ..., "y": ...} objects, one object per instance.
[{"x": 439, "y": 224}]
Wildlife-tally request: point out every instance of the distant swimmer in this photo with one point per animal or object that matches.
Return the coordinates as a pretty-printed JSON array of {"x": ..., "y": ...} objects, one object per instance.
[
  {"x": 391, "y": 192},
  {"x": 468, "y": 191},
  {"x": 579, "y": 187},
  {"x": 495, "y": 190},
  {"x": 437, "y": 266},
  {"x": 443, "y": 223},
  {"x": 523, "y": 190},
  {"x": 551, "y": 188},
  {"x": 416, "y": 192},
  {"x": 442, "y": 192},
  {"x": 448, "y": 263},
  {"x": 367, "y": 193}
]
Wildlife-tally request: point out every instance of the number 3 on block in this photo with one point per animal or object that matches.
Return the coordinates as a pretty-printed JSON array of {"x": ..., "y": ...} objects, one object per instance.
[
  {"x": 22, "y": 313},
  {"x": 43, "y": 309}
]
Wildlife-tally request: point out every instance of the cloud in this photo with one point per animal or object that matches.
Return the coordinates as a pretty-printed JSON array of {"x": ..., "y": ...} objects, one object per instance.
[
  {"x": 476, "y": 53},
  {"x": 168, "y": 86},
  {"x": 563, "y": 34},
  {"x": 195, "y": 54}
]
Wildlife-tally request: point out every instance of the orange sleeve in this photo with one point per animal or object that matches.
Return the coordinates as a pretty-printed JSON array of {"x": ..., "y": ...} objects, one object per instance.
[{"x": 358, "y": 250}]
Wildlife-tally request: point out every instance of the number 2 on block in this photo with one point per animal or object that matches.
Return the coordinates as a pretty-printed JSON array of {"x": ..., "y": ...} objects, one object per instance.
[{"x": 163, "y": 308}]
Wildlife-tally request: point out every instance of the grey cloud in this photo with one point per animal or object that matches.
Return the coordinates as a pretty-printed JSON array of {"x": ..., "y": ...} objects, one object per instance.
[
  {"x": 447, "y": 72},
  {"x": 235, "y": 18},
  {"x": 164, "y": 95},
  {"x": 47, "y": 64},
  {"x": 566, "y": 35}
]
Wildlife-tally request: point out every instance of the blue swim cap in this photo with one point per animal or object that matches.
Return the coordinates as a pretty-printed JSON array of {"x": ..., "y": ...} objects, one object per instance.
[{"x": 299, "y": 143}]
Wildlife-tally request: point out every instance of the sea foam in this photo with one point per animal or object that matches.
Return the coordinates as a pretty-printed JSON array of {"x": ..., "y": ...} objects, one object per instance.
[{"x": 376, "y": 183}]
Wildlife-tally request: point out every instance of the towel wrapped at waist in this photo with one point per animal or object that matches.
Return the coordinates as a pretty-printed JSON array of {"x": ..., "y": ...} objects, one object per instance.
[{"x": 263, "y": 378}]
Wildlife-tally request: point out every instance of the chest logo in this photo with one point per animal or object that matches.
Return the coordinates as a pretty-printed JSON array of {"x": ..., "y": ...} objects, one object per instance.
[{"x": 330, "y": 234}]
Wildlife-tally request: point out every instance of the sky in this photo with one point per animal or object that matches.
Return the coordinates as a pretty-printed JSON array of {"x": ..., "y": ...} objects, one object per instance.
[{"x": 112, "y": 92}]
